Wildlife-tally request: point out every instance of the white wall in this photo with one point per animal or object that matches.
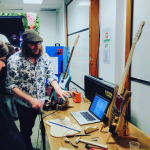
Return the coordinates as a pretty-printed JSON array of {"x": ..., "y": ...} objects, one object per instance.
[
  {"x": 112, "y": 14},
  {"x": 140, "y": 68},
  {"x": 120, "y": 40},
  {"x": 61, "y": 26},
  {"x": 47, "y": 26},
  {"x": 78, "y": 24}
]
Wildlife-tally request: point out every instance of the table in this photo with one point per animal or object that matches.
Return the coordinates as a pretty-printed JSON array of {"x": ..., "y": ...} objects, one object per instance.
[{"x": 114, "y": 141}]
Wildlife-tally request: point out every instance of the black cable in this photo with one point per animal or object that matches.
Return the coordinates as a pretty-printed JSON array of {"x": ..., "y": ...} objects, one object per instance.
[
  {"x": 70, "y": 93},
  {"x": 73, "y": 88},
  {"x": 54, "y": 111}
]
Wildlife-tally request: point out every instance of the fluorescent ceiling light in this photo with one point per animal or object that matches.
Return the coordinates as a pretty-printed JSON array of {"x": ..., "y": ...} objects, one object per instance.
[
  {"x": 84, "y": 4},
  {"x": 33, "y": 1}
]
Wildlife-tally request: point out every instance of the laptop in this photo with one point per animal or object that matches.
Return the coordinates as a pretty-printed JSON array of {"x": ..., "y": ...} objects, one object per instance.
[{"x": 95, "y": 113}]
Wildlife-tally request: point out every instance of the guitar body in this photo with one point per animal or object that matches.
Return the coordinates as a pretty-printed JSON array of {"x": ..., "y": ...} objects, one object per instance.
[
  {"x": 117, "y": 118},
  {"x": 63, "y": 83},
  {"x": 109, "y": 111},
  {"x": 107, "y": 119},
  {"x": 120, "y": 121}
]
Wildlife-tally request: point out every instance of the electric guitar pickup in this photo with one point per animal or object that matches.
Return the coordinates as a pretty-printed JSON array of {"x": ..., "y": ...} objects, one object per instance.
[{"x": 65, "y": 79}]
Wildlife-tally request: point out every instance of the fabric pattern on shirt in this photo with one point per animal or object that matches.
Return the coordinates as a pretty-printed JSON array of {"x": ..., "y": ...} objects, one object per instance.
[{"x": 29, "y": 78}]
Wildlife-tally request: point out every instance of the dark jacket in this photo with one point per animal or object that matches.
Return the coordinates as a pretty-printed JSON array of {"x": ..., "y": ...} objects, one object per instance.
[{"x": 10, "y": 137}]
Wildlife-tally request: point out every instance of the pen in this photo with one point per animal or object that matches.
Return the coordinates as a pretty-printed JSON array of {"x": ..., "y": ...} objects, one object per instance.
[
  {"x": 63, "y": 126},
  {"x": 68, "y": 136}
]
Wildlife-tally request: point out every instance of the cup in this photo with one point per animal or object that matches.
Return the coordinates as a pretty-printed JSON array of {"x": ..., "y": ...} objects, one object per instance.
[{"x": 134, "y": 145}]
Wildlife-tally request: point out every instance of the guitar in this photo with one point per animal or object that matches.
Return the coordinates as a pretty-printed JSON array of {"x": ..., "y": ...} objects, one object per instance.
[
  {"x": 116, "y": 112},
  {"x": 65, "y": 79}
]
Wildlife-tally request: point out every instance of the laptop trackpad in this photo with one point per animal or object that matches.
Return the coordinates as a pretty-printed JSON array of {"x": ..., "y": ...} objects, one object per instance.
[
  {"x": 83, "y": 120},
  {"x": 87, "y": 116}
]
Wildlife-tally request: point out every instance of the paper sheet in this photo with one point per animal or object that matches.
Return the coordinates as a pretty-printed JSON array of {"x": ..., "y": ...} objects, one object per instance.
[{"x": 55, "y": 64}]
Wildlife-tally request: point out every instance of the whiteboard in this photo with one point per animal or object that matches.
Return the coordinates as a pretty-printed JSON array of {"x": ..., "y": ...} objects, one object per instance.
[
  {"x": 141, "y": 62},
  {"x": 78, "y": 23},
  {"x": 140, "y": 106},
  {"x": 79, "y": 65},
  {"x": 140, "y": 67},
  {"x": 77, "y": 16}
]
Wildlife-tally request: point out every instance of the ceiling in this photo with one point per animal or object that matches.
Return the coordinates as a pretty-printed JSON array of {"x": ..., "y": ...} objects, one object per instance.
[{"x": 47, "y": 5}]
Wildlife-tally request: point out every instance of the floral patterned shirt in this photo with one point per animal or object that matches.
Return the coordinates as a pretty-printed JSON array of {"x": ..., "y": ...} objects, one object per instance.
[{"x": 29, "y": 78}]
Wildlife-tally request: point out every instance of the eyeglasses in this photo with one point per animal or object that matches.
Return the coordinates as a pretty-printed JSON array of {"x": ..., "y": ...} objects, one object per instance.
[
  {"x": 34, "y": 43},
  {"x": 3, "y": 60}
]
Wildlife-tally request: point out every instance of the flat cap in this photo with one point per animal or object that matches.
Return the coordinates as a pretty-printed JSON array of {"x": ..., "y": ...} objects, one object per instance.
[
  {"x": 31, "y": 35},
  {"x": 3, "y": 49}
]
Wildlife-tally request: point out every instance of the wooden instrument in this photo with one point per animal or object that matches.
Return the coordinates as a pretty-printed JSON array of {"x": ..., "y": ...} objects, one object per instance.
[
  {"x": 61, "y": 128},
  {"x": 65, "y": 79},
  {"x": 115, "y": 117},
  {"x": 90, "y": 129}
]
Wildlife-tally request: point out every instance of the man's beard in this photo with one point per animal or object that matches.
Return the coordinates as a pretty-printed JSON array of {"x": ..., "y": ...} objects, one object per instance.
[{"x": 31, "y": 54}]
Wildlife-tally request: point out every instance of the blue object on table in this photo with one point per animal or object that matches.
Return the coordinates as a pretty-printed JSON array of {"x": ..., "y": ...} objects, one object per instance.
[{"x": 63, "y": 126}]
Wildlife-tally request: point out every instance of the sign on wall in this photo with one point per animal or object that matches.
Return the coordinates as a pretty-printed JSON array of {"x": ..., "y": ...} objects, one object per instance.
[
  {"x": 106, "y": 54},
  {"x": 107, "y": 34}
]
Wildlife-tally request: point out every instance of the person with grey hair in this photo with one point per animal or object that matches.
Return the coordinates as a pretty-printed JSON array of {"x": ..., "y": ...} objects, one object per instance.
[
  {"x": 7, "y": 96},
  {"x": 10, "y": 137},
  {"x": 27, "y": 72}
]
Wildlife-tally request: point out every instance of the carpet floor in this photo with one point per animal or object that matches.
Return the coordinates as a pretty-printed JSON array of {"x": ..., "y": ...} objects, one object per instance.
[{"x": 36, "y": 136}]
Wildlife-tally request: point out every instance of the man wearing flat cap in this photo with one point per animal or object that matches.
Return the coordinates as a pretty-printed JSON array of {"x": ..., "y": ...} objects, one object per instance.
[{"x": 27, "y": 72}]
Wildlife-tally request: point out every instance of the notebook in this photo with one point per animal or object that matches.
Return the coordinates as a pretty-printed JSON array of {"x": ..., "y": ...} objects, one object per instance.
[{"x": 95, "y": 113}]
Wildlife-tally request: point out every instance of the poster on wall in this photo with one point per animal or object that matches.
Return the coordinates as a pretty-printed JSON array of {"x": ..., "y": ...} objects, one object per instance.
[
  {"x": 107, "y": 34},
  {"x": 54, "y": 62},
  {"x": 106, "y": 56}
]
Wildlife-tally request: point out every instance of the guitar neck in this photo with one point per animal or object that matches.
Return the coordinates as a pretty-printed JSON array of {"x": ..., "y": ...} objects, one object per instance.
[
  {"x": 121, "y": 86},
  {"x": 68, "y": 63},
  {"x": 70, "y": 57}
]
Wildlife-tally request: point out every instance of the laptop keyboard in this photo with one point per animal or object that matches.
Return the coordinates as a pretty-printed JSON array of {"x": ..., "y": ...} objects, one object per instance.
[{"x": 87, "y": 116}]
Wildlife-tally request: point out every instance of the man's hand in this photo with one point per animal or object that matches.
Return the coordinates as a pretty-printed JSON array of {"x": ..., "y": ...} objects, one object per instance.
[
  {"x": 59, "y": 92},
  {"x": 36, "y": 103},
  {"x": 63, "y": 94}
]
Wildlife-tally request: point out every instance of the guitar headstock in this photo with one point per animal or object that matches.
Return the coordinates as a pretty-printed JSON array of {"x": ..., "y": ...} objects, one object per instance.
[
  {"x": 139, "y": 32},
  {"x": 76, "y": 40}
]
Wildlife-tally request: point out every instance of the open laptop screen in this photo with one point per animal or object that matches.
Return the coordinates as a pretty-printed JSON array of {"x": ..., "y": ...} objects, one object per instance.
[{"x": 98, "y": 106}]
